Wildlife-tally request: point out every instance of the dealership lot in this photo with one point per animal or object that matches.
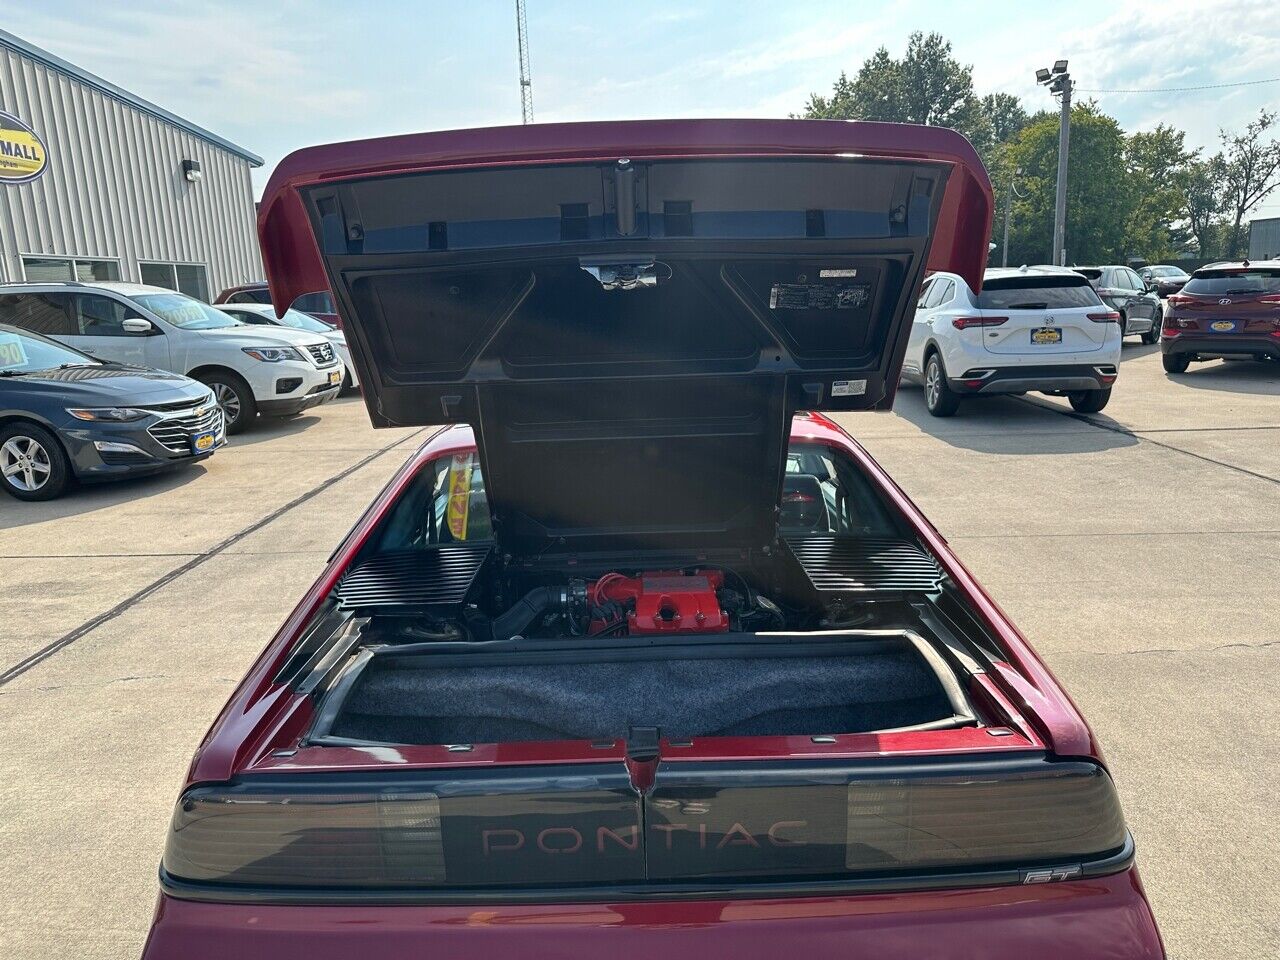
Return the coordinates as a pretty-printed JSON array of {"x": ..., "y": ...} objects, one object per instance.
[{"x": 1136, "y": 548}]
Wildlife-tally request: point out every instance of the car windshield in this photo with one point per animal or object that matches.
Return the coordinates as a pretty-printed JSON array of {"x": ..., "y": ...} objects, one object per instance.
[
  {"x": 1037, "y": 293},
  {"x": 185, "y": 312},
  {"x": 300, "y": 321},
  {"x": 22, "y": 352},
  {"x": 1240, "y": 282},
  {"x": 1166, "y": 272}
]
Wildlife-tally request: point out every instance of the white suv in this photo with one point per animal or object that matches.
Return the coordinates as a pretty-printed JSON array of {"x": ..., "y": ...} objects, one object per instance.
[
  {"x": 276, "y": 371},
  {"x": 1031, "y": 328}
]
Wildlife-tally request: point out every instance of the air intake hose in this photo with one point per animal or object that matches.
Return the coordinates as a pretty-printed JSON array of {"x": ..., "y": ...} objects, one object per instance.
[{"x": 515, "y": 621}]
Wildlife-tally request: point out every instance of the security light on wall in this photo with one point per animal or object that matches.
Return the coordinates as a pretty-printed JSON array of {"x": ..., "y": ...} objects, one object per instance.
[{"x": 191, "y": 170}]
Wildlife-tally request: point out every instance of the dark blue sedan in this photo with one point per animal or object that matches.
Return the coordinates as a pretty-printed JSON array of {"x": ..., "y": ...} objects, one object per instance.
[{"x": 66, "y": 416}]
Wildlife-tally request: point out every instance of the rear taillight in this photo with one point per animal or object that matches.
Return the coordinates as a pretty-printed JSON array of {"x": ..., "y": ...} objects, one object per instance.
[
  {"x": 964, "y": 323},
  {"x": 729, "y": 822},
  {"x": 1068, "y": 812},
  {"x": 1109, "y": 316},
  {"x": 1179, "y": 300},
  {"x": 1270, "y": 298},
  {"x": 306, "y": 839}
]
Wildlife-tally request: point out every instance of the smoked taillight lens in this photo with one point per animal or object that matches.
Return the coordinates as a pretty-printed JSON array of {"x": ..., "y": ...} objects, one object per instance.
[
  {"x": 735, "y": 822},
  {"x": 1068, "y": 813},
  {"x": 1108, "y": 316},
  {"x": 964, "y": 323},
  {"x": 315, "y": 840}
]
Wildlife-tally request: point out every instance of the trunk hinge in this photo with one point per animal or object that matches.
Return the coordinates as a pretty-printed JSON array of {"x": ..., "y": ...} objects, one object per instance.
[{"x": 643, "y": 755}]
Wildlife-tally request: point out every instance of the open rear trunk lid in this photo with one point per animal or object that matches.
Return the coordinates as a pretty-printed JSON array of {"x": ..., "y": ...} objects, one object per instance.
[{"x": 628, "y": 314}]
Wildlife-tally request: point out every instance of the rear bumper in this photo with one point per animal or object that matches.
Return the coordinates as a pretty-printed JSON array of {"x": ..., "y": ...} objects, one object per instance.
[
  {"x": 1055, "y": 379},
  {"x": 1080, "y": 919},
  {"x": 1226, "y": 345}
]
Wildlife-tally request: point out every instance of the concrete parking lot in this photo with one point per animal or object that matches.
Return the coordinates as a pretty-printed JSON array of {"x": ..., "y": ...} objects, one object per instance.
[{"x": 1139, "y": 550}]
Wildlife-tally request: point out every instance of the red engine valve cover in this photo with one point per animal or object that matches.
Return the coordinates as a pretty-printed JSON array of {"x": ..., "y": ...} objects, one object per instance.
[{"x": 666, "y": 601}]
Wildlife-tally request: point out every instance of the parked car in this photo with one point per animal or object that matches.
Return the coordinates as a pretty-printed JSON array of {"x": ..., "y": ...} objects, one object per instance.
[
  {"x": 255, "y": 314},
  {"x": 1031, "y": 328},
  {"x": 1224, "y": 312},
  {"x": 319, "y": 304},
  {"x": 1163, "y": 279},
  {"x": 274, "y": 371},
  {"x": 66, "y": 416},
  {"x": 1125, "y": 292},
  {"x": 635, "y": 658}
]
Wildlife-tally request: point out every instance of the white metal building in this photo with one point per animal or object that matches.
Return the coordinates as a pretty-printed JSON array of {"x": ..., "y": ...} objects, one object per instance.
[{"x": 98, "y": 184}]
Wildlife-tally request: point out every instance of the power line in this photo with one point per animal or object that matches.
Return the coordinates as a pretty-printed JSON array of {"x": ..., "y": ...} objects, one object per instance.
[{"x": 1207, "y": 86}]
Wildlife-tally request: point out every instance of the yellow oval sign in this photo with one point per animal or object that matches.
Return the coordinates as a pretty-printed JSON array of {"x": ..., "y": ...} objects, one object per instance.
[{"x": 22, "y": 153}]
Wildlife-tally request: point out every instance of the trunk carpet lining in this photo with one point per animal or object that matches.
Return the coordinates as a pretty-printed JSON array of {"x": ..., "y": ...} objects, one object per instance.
[{"x": 685, "y": 698}]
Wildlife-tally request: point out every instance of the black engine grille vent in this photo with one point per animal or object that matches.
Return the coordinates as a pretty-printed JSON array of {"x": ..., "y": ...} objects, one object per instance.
[
  {"x": 866, "y": 565},
  {"x": 413, "y": 578}
]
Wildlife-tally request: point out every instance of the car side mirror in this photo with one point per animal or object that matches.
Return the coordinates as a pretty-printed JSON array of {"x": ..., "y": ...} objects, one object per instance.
[{"x": 135, "y": 325}]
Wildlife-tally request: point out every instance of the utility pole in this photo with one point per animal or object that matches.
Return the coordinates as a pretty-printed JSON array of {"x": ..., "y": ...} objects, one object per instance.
[
  {"x": 1008, "y": 208},
  {"x": 1059, "y": 83},
  {"x": 526, "y": 84}
]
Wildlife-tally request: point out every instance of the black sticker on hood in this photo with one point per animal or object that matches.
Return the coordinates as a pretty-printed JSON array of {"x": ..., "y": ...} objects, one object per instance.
[{"x": 819, "y": 296}]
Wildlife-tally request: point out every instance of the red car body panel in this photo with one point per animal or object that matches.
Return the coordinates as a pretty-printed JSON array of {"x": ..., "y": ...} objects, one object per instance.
[
  {"x": 295, "y": 266},
  {"x": 1105, "y": 917}
]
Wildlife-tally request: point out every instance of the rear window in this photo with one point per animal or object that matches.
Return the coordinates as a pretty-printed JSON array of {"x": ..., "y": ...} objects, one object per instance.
[
  {"x": 1037, "y": 293},
  {"x": 1238, "y": 282}
]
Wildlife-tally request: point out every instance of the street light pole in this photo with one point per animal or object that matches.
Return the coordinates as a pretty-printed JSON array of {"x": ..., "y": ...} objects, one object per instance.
[
  {"x": 1060, "y": 204},
  {"x": 1008, "y": 207},
  {"x": 1059, "y": 82}
]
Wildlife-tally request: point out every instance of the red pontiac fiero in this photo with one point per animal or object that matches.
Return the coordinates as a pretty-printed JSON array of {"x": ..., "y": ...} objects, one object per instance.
[{"x": 641, "y": 654}]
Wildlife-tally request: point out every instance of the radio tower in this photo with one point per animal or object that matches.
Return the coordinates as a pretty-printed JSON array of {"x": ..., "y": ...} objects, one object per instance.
[{"x": 526, "y": 85}]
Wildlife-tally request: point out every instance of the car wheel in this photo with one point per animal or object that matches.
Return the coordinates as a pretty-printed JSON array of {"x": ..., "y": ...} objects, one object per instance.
[
  {"x": 33, "y": 464},
  {"x": 234, "y": 397},
  {"x": 1175, "y": 362},
  {"x": 939, "y": 398},
  {"x": 1089, "y": 401},
  {"x": 1153, "y": 335}
]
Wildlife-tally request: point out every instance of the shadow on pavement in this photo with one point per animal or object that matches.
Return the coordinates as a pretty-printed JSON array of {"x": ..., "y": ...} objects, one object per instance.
[
  {"x": 272, "y": 428},
  {"x": 1008, "y": 425},
  {"x": 1233, "y": 376},
  {"x": 1136, "y": 350},
  {"x": 85, "y": 498}
]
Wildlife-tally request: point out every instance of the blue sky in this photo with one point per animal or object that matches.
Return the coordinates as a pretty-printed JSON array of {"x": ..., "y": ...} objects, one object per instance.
[{"x": 274, "y": 76}]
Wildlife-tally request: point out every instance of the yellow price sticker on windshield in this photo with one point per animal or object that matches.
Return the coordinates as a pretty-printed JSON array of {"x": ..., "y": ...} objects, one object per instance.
[{"x": 459, "y": 494}]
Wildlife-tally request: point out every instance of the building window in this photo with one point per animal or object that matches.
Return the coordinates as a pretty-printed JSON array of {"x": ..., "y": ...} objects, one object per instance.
[
  {"x": 58, "y": 269},
  {"x": 189, "y": 278}
]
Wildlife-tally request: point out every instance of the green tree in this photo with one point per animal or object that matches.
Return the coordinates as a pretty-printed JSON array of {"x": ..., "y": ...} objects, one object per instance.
[
  {"x": 1156, "y": 164},
  {"x": 927, "y": 86},
  {"x": 1005, "y": 116},
  {"x": 1202, "y": 205},
  {"x": 1248, "y": 171},
  {"x": 1098, "y": 198}
]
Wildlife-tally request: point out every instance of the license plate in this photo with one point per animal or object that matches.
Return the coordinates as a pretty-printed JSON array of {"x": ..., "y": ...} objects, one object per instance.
[
  {"x": 203, "y": 442},
  {"x": 1223, "y": 326},
  {"x": 335, "y": 377},
  {"x": 1047, "y": 335}
]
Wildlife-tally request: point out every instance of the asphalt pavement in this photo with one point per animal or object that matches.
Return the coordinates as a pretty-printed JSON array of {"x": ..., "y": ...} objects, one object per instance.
[{"x": 1138, "y": 549}]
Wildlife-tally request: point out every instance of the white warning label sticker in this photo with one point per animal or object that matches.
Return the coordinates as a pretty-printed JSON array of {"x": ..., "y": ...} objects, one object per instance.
[{"x": 848, "y": 388}]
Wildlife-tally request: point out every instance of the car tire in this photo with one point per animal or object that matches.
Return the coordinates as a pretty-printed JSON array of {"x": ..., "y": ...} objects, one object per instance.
[
  {"x": 939, "y": 399},
  {"x": 1175, "y": 362},
  {"x": 33, "y": 465},
  {"x": 234, "y": 397},
  {"x": 1089, "y": 401},
  {"x": 1153, "y": 335},
  {"x": 1124, "y": 326}
]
